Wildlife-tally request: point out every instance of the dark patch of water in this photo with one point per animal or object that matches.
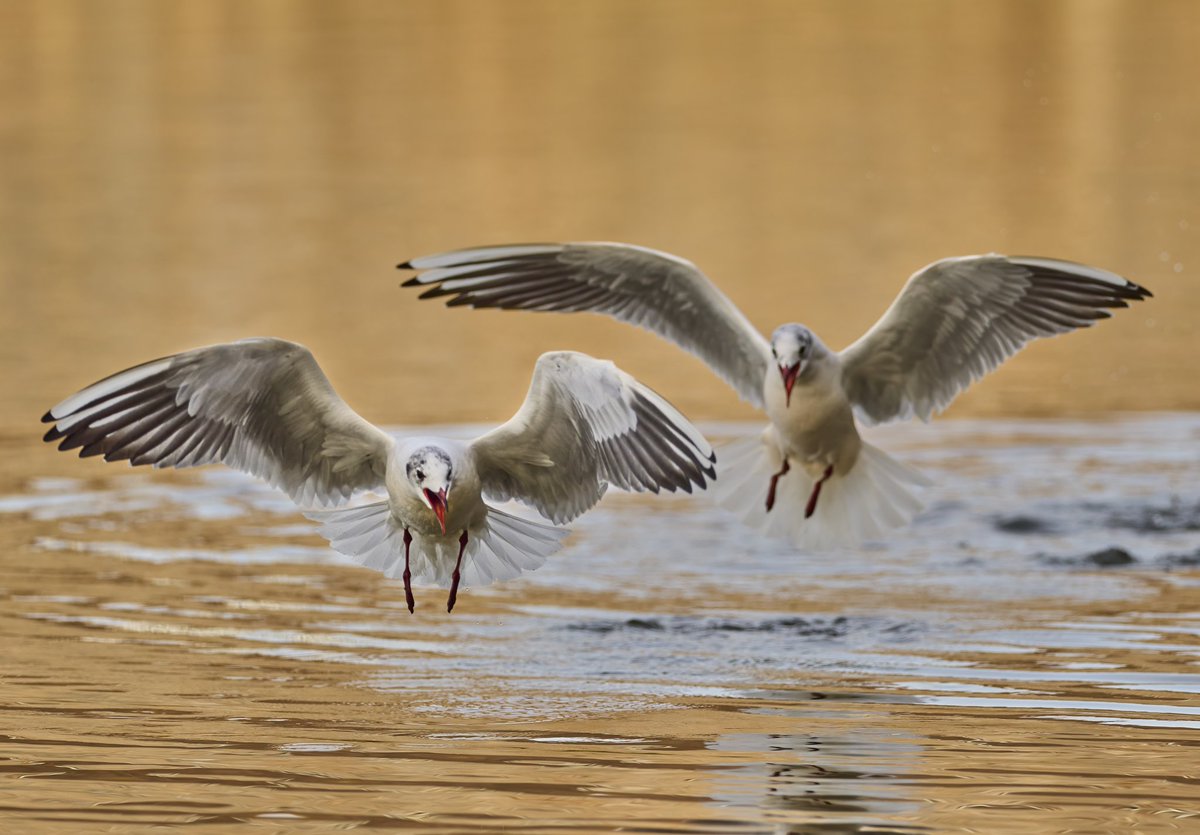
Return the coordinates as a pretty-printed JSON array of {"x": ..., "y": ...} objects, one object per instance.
[
  {"x": 820, "y": 628},
  {"x": 1178, "y": 515},
  {"x": 1024, "y": 524},
  {"x": 1112, "y": 557},
  {"x": 1180, "y": 560}
]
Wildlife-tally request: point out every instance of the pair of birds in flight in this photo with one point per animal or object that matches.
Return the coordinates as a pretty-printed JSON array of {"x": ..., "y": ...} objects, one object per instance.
[{"x": 264, "y": 406}]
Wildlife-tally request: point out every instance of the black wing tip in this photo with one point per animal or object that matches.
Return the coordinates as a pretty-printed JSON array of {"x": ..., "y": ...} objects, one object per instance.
[
  {"x": 705, "y": 476},
  {"x": 52, "y": 434},
  {"x": 473, "y": 252},
  {"x": 459, "y": 301},
  {"x": 91, "y": 450},
  {"x": 1129, "y": 290},
  {"x": 49, "y": 416},
  {"x": 1133, "y": 291},
  {"x": 434, "y": 292},
  {"x": 70, "y": 441}
]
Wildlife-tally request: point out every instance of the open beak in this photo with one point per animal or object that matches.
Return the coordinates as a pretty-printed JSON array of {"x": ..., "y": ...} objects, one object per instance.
[
  {"x": 437, "y": 503},
  {"x": 789, "y": 379}
]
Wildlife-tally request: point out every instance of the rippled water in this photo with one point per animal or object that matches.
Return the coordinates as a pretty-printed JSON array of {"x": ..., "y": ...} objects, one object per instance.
[{"x": 181, "y": 648}]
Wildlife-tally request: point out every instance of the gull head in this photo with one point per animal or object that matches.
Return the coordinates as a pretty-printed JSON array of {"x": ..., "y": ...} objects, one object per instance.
[
  {"x": 431, "y": 475},
  {"x": 792, "y": 346}
]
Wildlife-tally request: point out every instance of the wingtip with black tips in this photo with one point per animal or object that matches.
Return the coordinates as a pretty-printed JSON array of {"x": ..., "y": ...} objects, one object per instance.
[
  {"x": 412, "y": 282},
  {"x": 406, "y": 265},
  {"x": 436, "y": 291},
  {"x": 48, "y": 417}
]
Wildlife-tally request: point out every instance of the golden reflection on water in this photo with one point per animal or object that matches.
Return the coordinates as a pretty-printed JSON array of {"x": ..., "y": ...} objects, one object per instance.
[
  {"x": 172, "y": 690},
  {"x": 178, "y": 174},
  {"x": 174, "y": 174}
]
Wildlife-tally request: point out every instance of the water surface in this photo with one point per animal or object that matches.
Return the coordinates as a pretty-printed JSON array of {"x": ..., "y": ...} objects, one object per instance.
[{"x": 183, "y": 649}]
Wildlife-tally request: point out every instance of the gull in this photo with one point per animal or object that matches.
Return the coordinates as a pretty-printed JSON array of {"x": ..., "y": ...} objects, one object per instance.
[
  {"x": 953, "y": 322},
  {"x": 263, "y": 406}
]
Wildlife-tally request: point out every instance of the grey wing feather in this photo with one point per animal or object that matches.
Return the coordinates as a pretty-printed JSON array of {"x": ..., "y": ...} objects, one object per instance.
[
  {"x": 262, "y": 406},
  {"x": 959, "y": 318},
  {"x": 586, "y": 424},
  {"x": 651, "y": 289}
]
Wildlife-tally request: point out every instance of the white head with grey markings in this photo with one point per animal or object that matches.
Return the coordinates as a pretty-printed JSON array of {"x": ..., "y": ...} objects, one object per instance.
[
  {"x": 793, "y": 347},
  {"x": 431, "y": 474}
]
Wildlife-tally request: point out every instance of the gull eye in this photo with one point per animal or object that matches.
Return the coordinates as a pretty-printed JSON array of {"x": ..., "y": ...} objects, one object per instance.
[{"x": 420, "y": 475}]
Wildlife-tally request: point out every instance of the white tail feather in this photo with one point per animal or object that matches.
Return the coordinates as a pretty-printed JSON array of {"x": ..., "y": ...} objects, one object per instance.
[
  {"x": 504, "y": 547},
  {"x": 510, "y": 545},
  {"x": 862, "y": 504}
]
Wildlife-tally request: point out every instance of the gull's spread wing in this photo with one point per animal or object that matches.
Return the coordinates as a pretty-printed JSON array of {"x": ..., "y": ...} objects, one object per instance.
[
  {"x": 586, "y": 424},
  {"x": 959, "y": 318},
  {"x": 641, "y": 286},
  {"x": 262, "y": 406}
]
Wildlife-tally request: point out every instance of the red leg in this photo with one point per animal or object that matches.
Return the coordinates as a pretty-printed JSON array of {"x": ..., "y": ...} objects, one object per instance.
[
  {"x": 408, "y": 595},
  {"x": 775, "y": 480},
  {"x": 816, "y": 493},
  {"x": 462, "y": 546}
]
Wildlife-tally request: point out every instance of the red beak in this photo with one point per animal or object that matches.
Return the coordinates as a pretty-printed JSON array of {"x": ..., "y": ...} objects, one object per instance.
[
  {"x": 789, "y": 379},
  {"x": 437, "y": 501}
]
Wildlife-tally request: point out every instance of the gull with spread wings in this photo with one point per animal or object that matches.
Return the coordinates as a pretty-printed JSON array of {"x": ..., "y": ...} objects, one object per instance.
[
  {"x": 264, "y": 406},
  {"x": 810, "y": 477}
]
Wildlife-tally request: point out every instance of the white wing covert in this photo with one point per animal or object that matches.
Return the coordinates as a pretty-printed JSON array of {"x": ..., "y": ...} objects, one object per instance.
[
  {"x": 959, "y": 318},
  {"x": 261, "y": 405},
  {"x": 586, "y": 424},
  {"x": 644, "y": 287}
]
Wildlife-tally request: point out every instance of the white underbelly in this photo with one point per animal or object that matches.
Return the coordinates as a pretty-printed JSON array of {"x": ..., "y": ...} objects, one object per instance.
[
  {"x": 817, "y": 429},
  {"x": 465, "y": 511}
]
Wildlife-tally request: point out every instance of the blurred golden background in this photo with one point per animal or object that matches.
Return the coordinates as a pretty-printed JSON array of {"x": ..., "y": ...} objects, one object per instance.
[{"x": 175, "y": 174}]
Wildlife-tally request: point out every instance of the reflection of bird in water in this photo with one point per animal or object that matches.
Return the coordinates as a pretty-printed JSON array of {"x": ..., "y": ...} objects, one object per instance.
[
  {"x": 810, "y": 783},
  {"x": 954, "y": 321},
  {"x": 264, "y": 406},
  {"x": 805, "y": 786},
  {"x": 841, "y": 800}
]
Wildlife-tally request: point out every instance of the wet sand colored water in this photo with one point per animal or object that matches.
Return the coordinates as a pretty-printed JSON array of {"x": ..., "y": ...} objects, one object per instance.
[{"x": 181, "y": 649}]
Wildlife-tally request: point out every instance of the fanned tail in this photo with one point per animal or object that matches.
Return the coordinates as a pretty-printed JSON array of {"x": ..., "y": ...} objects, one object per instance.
[
  {"x": 504, "y": 547},
  {"x": 865, "y": 503},
  {"x": 510, "y": 545}
]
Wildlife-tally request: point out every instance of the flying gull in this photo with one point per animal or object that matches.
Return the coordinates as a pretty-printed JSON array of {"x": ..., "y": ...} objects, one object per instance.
[
  {"x": 953, "y": 322},
  {"x": 263, "y": 406}
]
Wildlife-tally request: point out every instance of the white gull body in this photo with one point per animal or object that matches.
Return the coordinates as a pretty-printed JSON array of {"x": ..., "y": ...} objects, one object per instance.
[
  {"x": 264, "y": 406},
  {"x": 810, "y": 476}
]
